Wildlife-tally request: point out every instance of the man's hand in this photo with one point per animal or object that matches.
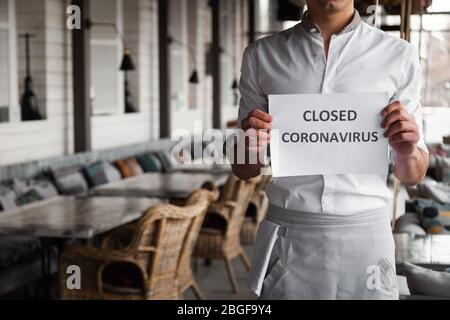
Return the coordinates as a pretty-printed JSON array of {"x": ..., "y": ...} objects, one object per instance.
[
  {"x": 411, "y": 163},
  {"x": 259, "y": 123},
  {"x": 401, "y": 129},
  {"x": 257, "y": 127}
]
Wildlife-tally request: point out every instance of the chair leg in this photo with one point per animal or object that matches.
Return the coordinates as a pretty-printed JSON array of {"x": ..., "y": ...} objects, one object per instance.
[
  {"x": 231, "y": 275},
  {"x": 244, "y": 259},
  {"x": 197, "y": 292}
]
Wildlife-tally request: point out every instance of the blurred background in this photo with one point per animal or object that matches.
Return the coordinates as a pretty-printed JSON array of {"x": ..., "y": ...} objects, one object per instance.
[{"x": 90, "y": 92}]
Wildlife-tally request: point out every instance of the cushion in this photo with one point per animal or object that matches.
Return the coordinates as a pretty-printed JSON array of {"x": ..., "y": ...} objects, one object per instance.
[
  {"x": 409, "y": 223},
  {"x": 18, "y": 186},
  {"x": 95, "y": 175},
  {"x": 28, "y": 197},
  {"x": 69, "y": 180},
  {"x": 123, "y": 168},
  {"x": 111, "y": 172},
  {"x": 134, "y": 166},
  {"x": 164, "y": 158},
  {"x": 174, "y": 158},
  {"x": 431, "y": 222},
  {"x": 446, "y": 170},
  {"x": 434, "y": 191},
  {"x": 426, "y": 281},
  {"x": 7, "y": 198},
  {"x": 197, "y": 149},
  {"x": 14, "y": 249},
  {"x": 42, "y": 186},
  {"x": 443, "y": 168},
  {"x": 149, "y": 163},
  {"x": 128, "y": 167}
]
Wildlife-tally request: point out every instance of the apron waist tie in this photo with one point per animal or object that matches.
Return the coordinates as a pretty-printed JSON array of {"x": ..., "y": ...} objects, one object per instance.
[{"x": 290, "y": 217}]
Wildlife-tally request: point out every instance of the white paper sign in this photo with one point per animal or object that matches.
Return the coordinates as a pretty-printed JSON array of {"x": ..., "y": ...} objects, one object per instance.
[{"x": 315, "y": 134}]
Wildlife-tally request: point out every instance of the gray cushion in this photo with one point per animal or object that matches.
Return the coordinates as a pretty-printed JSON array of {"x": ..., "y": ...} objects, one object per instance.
[
  {"x": 41, "y": 186},
  {"x": 14, "y": 249},
  {"x": 7, "y": 198},
  {"x": 427, "y": 282},
  {"x": 409, "y": 223},
  {"x": 111, "y": 172},
  {"x": 443, "y": 168},
  {"x": 174, "y": 158},
  {"x": 166, "y": 161},
  {"x": 436, "y": 191},
  {"x": 69, "y": 180},
  {"x": 44, "y": 187}
]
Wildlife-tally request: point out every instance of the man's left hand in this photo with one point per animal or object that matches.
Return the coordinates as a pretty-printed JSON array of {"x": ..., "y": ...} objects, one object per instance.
[{"x": 401, "y": 129}]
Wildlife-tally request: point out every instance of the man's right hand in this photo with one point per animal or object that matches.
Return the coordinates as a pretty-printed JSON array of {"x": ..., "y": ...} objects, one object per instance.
[{"x": 260, "y": 123}]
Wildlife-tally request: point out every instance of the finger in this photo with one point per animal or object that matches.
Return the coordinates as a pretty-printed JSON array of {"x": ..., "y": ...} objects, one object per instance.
[
  {"x": 259, "y": 139},
  {"x": 257, "y": 147},
  {"x": 409, "y": 137},
  {"x": 244, "y": 124},
  {"x": 400, "y": 126},
  {"x": 392, "y": 107},
  {"x": 263, "y": 134},
  {"x": 396, "y": 115},
  {"x": 257, "y": 113},
  {"x": 257, "y": 123}
]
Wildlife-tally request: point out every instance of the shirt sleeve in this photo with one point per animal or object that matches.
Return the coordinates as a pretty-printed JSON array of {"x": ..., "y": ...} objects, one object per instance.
[
  {"x": 409, "y": 92},
  {"x": 251, "y": 94}
]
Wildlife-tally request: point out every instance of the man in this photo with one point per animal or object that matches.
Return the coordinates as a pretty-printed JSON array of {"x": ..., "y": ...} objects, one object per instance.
[{"x": 328, "y": 236}]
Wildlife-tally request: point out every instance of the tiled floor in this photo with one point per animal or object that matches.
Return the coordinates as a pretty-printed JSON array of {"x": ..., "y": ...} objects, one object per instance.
[{"x": 213, "y": 280}]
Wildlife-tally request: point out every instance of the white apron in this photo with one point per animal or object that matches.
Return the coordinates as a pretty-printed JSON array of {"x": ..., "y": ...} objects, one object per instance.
[{"x": 301, "y": 255}]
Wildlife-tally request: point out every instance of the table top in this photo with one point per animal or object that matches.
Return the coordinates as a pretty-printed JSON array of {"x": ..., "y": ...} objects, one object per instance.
[
  {"x": 165, "y": 185},
  {"x": 203, "y": 168},
  {"x": 73, "y": 217},
  {"x": 432, "y": 251}
]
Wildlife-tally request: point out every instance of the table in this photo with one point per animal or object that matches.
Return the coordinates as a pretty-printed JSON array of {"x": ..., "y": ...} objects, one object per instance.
[
  {"x": 174, "y": 185},
  {"x": 61, "y": 218},
  {"x": 430, "y": 251},
  {"x": 203, "y": 168},
  {"x": 73, "y": 217}
]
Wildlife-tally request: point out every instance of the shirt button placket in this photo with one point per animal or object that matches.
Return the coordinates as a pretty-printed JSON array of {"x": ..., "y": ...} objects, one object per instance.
[{"x": 330, "y": 65}]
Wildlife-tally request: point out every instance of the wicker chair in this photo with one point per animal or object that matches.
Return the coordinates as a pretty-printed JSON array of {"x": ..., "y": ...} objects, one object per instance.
[
  {"x": 184, "y": 271},
  {"x": 219, "y": 237},
  {"x": 147, "y": 268},
  {"x": 256, "y": 211}
]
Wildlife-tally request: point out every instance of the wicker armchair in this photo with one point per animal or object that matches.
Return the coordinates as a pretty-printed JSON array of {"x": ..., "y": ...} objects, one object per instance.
[
  {"x": 147, "y": 268},
  {"x": 184, "y": 271},
  {"x": 219, "y": 237},
  {"x": 256, "y": 211}
]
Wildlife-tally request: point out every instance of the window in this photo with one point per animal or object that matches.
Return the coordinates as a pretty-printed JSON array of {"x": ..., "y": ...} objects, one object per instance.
[
  {"x": 179, "y": 54},
  {"x": 106, "y": 52},
  {"x": 433, "y": 42},
  {"x": 430, "y": 34},
  {"x": 227, "y": 58},
  {"x": 8, "y": 83}
]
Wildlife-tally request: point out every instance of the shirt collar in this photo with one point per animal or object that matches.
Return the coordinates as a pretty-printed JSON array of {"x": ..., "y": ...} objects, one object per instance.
[{"x": 310, "y": 26}]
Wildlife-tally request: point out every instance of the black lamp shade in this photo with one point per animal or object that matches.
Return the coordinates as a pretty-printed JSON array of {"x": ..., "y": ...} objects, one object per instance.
[
  {"x": 127, "y": 63},
  {"x": 235, "y": 85},
  {"x": 194, "y": 78}
]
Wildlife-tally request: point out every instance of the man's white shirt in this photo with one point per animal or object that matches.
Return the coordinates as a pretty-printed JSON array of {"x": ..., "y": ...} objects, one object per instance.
[{"x": 361, "y": 58}]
